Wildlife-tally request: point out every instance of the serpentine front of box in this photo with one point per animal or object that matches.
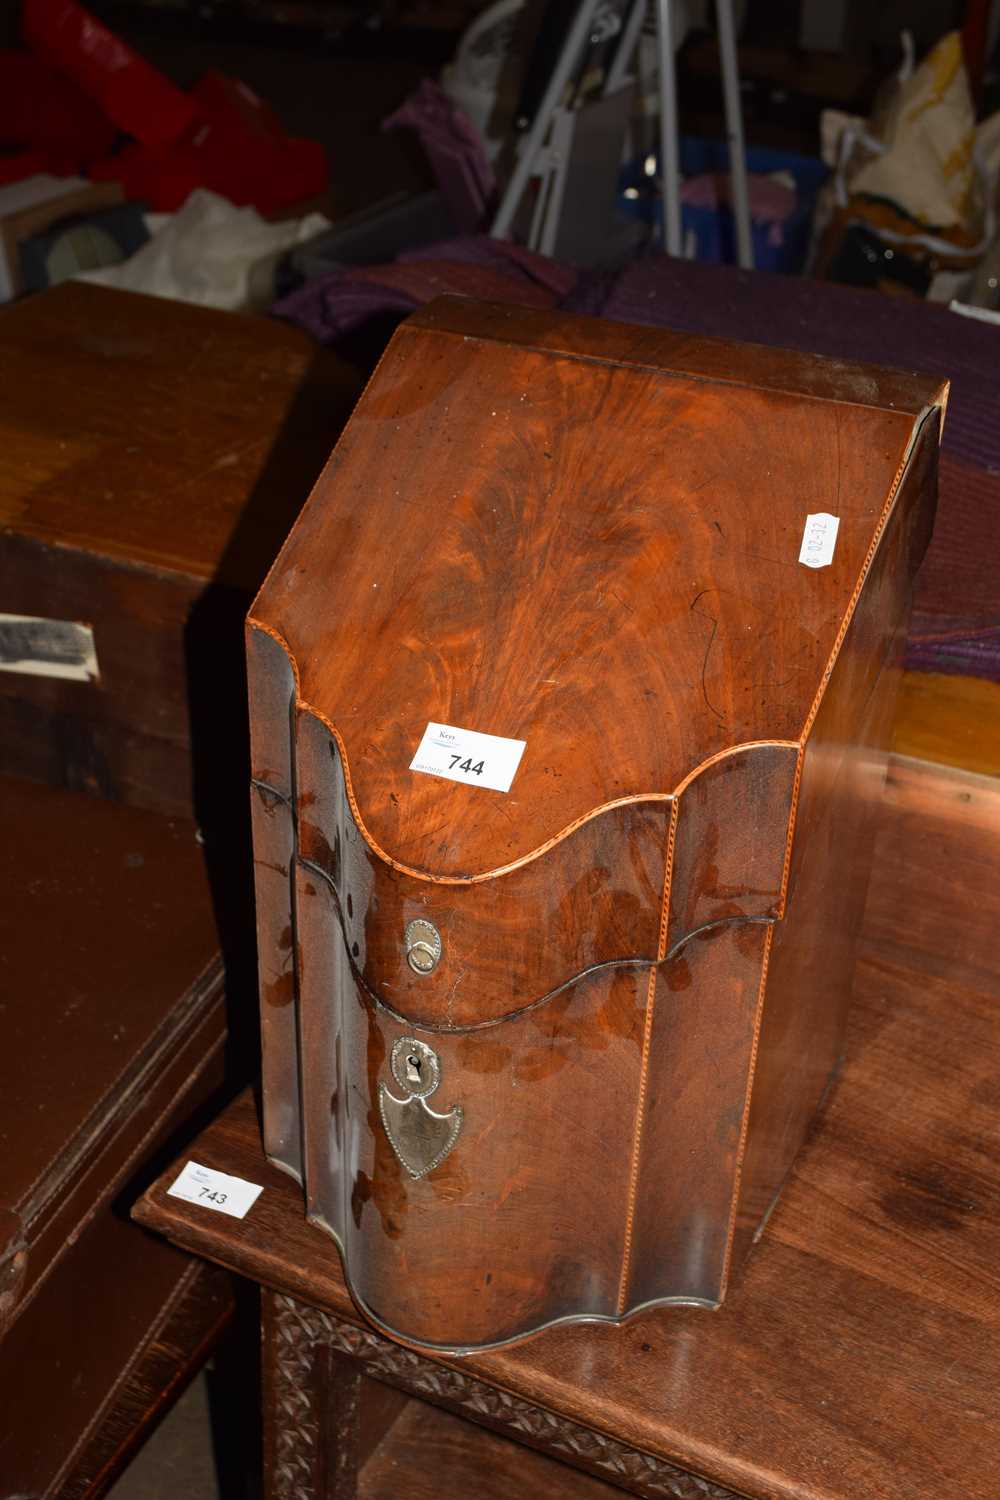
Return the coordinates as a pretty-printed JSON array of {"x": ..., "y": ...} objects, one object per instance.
[{"x": 570, "y": 695}]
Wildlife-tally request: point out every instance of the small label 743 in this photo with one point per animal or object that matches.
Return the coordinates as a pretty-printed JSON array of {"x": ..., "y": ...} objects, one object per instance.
[{"x": 219, "y": 1191}]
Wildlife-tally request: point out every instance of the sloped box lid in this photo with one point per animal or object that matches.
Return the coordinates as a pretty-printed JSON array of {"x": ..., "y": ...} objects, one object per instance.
[{"x": 584, "y": 536}]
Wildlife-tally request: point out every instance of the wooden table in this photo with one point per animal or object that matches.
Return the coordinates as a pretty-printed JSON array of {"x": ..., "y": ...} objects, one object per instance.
[
  {"x": 857, "y": 1358},
  {"x": 952, "y": 720}
]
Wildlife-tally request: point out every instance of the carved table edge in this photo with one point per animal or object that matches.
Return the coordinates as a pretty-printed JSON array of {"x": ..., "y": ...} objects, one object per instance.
[{"x": 300, "y": 1328}]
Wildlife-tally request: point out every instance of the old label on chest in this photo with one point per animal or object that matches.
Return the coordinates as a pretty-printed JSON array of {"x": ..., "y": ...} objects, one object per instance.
[
  {"x": 819, "y": 538},
  {"x": 47, "y": 648}
]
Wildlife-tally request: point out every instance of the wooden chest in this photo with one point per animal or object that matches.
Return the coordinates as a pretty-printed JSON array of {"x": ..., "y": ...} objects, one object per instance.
[
  {"x": 546, "y": 1015},
  {"x": 112, "y": 1040},
  {"x": 151, "y": 456}
]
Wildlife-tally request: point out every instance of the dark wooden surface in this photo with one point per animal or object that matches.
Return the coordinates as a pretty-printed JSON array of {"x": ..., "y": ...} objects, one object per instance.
[
  {"x": 858, "y": 1354},
  {"x": 112, "y": 1039},
  {"x": 321, "y": 1372},
  {"x": 140, "y": 430},
  {"x": 429, "y": 1449},
  {"x": 612, "y": 575},
  {"x": 111, "y": 968},
  {"x": 155, "y": 455},
  {"x": 189, "y": 1328}
]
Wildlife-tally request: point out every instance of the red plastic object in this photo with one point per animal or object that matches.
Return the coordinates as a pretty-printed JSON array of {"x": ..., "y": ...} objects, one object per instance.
[
  {"x": 246, "y": 152},
  {"x": 236, "y": 147},
  {"x": 222, "y": 96},
  {"x": 132, "y": 94},
  {"x": 43, "y": 109},
  {"x": 161, "y": 176}
]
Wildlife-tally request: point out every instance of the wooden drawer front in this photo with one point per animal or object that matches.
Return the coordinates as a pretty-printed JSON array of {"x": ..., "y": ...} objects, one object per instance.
[
  {"x": 504, "y": 1234},
  {"x": 594, "y": 1165},
  {"x": 507, "y": 940},
  {"x": 591, "y": 897}
]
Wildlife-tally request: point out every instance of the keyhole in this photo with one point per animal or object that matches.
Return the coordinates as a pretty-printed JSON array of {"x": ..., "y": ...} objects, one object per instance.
[{"x": 415, "y": 1067}]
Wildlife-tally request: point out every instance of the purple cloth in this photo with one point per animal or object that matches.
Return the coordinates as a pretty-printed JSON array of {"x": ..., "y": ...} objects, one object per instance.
[
  {"x": 475, "y": 266},
  {"x": 454, "y": 149},
  {"x": 501, "y": 256}
]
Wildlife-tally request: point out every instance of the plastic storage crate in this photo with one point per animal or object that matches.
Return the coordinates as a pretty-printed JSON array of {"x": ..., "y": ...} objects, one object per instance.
[{"x": 713, "y": 228}]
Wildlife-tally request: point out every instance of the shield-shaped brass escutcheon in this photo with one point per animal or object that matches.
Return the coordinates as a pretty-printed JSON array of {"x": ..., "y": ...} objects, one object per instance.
[{"x": 420, "y": 1137}]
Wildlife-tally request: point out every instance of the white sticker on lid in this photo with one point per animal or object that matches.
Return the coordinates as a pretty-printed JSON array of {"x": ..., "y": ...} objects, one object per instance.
[
  {"x": 818, "y": 540},
  {"x": 47, "y": 648},
  {"x": 465, "y": 755},
  {"x": 215, "y": 1190}
]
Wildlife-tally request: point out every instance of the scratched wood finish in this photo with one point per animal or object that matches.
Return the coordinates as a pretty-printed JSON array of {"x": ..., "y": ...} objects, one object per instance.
[
  {"x": 154, "y": 456},
  {"x": 859, "y": 1351},
  {"x": 592, "y": 547}
]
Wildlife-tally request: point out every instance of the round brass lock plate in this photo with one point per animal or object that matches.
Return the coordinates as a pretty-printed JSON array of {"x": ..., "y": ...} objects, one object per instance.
[{"x": 423, "y": 946}]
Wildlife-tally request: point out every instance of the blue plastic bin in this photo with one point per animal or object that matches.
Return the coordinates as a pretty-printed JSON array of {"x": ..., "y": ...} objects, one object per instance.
[{"x": 713, "y": 229}]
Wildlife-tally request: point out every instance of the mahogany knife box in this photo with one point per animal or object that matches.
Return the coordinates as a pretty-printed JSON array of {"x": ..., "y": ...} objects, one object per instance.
[{"x": 548, "y": 1053}]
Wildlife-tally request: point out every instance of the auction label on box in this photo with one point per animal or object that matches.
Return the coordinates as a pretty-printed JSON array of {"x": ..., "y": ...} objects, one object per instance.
[
  {"x": 819, "y": 539},
  {"x": 47, "y": 648},
  {"x": 468, "y": 756},
  {"x": 215, "y": 1190}
]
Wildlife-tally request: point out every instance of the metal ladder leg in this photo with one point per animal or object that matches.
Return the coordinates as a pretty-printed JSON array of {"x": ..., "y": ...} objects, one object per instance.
[{"x": 535, "y": 138}]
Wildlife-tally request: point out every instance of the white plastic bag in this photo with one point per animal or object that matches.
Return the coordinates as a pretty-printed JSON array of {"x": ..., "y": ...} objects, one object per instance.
[{"x": 212, "y": 253}]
